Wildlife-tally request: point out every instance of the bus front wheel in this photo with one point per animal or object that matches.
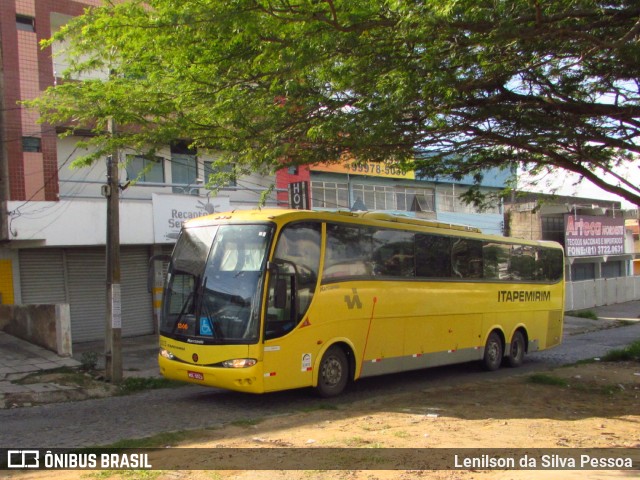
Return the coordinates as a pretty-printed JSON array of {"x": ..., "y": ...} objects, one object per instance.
[
  {"x": 334, "y": 373},
  {"x": 493, "y": 351}
]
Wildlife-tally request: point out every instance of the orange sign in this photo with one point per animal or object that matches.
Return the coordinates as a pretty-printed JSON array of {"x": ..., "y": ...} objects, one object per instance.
[{"x": 372, "y": 169}]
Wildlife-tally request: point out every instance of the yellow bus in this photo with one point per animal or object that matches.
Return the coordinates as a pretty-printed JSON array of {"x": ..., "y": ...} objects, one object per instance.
[{"x": 266, "y": 300}]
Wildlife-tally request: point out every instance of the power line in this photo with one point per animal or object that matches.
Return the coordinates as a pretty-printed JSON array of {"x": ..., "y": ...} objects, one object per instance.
[{"x": 15, "y": 213}]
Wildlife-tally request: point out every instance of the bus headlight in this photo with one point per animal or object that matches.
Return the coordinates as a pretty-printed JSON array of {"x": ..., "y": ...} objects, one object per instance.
[
  {"x": 239, "y": 363},
  {"x": 166, "y": 354}
]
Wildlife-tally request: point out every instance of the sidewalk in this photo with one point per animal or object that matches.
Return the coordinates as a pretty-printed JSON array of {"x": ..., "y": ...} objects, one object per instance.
[
  {"x": 139, "y": 358},
  {"x": 19, "y": 359}
]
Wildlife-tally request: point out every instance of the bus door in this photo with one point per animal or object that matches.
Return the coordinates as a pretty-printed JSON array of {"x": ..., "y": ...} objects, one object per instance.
[{"x": 289, "y": 350}]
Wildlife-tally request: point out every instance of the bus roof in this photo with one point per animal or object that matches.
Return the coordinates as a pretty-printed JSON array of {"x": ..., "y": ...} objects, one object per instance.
[
  {"x": 273, "y": 213},
  {"x": 373, "y": 218}
]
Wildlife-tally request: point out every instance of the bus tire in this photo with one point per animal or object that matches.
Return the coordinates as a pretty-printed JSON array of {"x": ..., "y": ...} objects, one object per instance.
[
  {"x": 334, "y": 372},
  {"x": 493, "y": 352},
  {"x": 516, "y": 350}
]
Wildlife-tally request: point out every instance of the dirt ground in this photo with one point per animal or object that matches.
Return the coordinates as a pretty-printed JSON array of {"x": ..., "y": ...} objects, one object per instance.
[{"x": 587, "y": 405}]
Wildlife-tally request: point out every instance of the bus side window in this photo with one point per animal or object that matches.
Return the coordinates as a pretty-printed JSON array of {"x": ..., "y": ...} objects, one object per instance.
[
  {"x": 348, "y": 252},
  {"x": 466, "y": 259},
  {"x": 433, "y": 254},
  {"x": 496, "y": 261},
  {"x": 550, "y": 264},
  {"x": 394, "y": 253},
  {"x": 522, "y": 264}
]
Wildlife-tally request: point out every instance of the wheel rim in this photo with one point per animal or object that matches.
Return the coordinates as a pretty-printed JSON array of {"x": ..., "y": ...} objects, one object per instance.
[
  {"x": 332, "y": 372},
  {"x": 493, "y": 352}
]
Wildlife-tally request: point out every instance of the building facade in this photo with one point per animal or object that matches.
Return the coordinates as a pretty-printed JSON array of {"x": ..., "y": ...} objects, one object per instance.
[
  {"x": 597, "y": 243},
  {"x": 382, "y": 187},
  {"x": 53, "y": 220}
]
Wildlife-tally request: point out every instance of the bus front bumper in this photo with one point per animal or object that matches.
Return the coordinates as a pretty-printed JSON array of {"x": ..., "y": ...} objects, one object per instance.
[{"x": 248, "y": 379}]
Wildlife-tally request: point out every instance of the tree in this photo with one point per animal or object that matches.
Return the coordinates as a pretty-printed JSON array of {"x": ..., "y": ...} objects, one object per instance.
[{"x": 444, "y": 87}]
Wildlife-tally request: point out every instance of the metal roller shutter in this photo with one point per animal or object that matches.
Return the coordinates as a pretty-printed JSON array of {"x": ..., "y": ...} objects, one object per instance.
[
  {"x": 87, "y": 293},
  {"x": 137, "y": 312},
  {"x": 42, "y": 276}
]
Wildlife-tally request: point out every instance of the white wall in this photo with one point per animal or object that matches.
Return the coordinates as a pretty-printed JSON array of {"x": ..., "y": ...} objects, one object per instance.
[
  {"x": 79, "y": 222},
  {"x": 603, "y": 291}
]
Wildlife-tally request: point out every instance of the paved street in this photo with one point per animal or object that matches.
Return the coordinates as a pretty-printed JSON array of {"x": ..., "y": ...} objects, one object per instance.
[{"x": 104, "y": 421}]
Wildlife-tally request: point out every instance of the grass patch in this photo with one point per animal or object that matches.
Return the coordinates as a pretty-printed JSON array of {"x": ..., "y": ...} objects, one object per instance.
[
  {"x": 545, "y": 379},
  {"x": 247, "y": 422},
  {"x": 315, "y": 408},
  {"x": 142, "y": 474},
  {"x": 590, "y": 314},
  {"x": 160, "y": 440},
  {"x": 630, "y": 353},
  {"x": 137, "y": 384},
  {"x": 584, "y": 361},
  {"x": 357, "y": 442}
]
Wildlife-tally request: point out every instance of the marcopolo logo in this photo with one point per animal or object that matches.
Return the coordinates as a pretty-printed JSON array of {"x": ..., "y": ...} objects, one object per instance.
[{"x": 354, "y": 300}]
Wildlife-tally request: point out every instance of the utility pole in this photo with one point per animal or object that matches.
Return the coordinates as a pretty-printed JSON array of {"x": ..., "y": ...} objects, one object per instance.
[{"x": 113, "y": 337}]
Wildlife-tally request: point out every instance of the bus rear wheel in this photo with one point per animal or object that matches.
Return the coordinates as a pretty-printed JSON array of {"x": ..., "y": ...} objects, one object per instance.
[
  {"x": 516, "y": 350},
  {"x": 334, "y": 373},
  {"x": 493, "y": 352}
]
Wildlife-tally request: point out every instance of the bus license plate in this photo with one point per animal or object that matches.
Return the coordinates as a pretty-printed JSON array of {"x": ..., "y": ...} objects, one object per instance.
[{"x": 195, "y": 375}]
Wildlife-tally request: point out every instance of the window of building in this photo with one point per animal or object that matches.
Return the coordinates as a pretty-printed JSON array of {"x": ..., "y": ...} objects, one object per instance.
[
  {"x": 583, "y": 271},
  {"x": 31, "y": 144},
  {"x": 449, "y": 200},
  {"x": 184, "y": 168},
  {"x": 144, "y": 169},
  {"x": 553, "y": 229},
  {"x": 25, "y": 23},
  {"x": 374, "y": 197},
  {"x": 415, "y": 199},
  {"x": 329, "y": 195},
  {"x": 613, "y": 269},
  {"x": 211, "y": 168},
  {"x": 184, "y": 171}
]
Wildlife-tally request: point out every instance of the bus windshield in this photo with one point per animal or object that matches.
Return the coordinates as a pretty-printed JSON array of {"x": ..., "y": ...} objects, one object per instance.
[{"x": 214, "y": 285}]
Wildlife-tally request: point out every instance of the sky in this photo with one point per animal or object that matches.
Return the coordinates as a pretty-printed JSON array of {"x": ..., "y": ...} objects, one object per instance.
[{"x": 561, "y": 182}]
